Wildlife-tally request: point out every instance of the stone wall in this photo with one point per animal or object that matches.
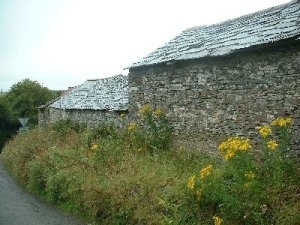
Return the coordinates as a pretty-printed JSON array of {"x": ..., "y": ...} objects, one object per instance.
[
  {"x": 91, "y": 117},
  {"x": 211, "y": 98}
]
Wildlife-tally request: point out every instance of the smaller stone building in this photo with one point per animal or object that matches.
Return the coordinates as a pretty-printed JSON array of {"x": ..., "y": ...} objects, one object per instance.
[{"x": 93, "y": 102}]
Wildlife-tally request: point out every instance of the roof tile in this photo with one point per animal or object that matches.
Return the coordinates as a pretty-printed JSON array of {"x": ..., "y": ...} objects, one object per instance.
[
  {"x": 266, "y": 26},
  {"x": 101, "y": 94}
]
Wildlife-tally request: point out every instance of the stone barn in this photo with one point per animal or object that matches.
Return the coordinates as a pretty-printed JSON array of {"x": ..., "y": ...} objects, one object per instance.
[
  {"x": 224, "y": 79},
  {"x": 93, "y": 102}
]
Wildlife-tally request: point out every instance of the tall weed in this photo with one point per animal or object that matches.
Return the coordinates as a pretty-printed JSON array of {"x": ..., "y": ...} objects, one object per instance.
[
  {"x": 250, "y": 190},
  {"x": 113, "y": 176}
]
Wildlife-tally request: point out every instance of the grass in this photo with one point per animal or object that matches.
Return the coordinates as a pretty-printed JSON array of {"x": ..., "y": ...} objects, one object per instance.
[
  {"x": 112, "y": 176},
  {"x": 112, "y": 184}
]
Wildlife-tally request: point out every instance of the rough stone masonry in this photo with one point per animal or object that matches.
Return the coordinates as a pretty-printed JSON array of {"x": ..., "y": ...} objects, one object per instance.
[{"x": 211, "y": 98}]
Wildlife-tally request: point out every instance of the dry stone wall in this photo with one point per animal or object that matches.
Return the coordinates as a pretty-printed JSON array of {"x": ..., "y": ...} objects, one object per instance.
[
  {"x": 210, "y": 98},
  {"x": 89, "y": 116}
]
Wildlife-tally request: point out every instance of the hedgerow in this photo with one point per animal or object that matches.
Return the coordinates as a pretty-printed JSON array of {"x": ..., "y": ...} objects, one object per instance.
[{"x": 133, "y": 175}]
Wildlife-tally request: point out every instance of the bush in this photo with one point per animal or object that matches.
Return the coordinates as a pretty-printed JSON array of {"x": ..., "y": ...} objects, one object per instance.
[
  {"x": 247, "y": 189},
  {"x": 96, "y": 174},
  {"x": 25, "y": 96},
  {"x": 63, "y": 127},
  {"x": 8, "y": 127},
  {"x": 110, "y": 176},
  {"x": 153, "y": 134},
  {"x": 102, "y": 131}
]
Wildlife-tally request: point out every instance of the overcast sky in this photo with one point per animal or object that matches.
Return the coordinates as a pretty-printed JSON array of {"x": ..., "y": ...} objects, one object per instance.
[{"x": 62, "y": 43}]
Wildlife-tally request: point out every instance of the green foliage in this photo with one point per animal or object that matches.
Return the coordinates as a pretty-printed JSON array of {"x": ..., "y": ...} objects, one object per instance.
[
  {"x": 251, "y": 190},
  {"x": 7, "y": 126},
  {"x": 102, "y": 131},
  {"x": 64, "y": 127},
  {"x": 24, "y": 98},
  {"x": 154, "y": 132},
  {"x": 111, "y": 176},
  {"x": 96, "y": 174}
]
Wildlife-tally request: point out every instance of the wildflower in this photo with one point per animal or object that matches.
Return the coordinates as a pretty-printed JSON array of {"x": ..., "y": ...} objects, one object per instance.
[
  {"x": 232, "y": 145},
  {"x": 250, "y": 175},
  {"x": 158, "y": 112},
  {"x": 205, "y": 171},
  {"x": 191, "y": 182},
  {"x": 199, "y": 193},
  {"x": 94, "y": 147},
  {"x": 244, "y": 145},
  {"x": 229, "y": 154},
  {"x": 145, "y": 109},
  {"x": 272, "y": 144},
  {"x": 265, "y": 131},
  {"x": 247, "y": 184},
  {"x": 282, "y": 122},
  {"x": 235, "y": 143},
  {"x": 132, "y": 126},
  {"x": 217, "y": 220}
]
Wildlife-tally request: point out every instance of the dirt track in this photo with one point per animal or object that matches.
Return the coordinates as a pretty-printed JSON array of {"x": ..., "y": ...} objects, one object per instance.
[{"x": 18, "y": 207}]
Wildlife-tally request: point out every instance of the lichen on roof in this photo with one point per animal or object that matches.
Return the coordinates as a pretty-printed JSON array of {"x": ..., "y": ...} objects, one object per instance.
[
  {"x": 100, "y": 94},
  {"x": 266, "y": 26}
]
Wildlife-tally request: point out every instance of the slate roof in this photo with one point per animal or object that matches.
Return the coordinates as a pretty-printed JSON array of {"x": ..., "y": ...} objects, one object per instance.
[
  {"x": 101, "y": 94},
  {"x": 54, "y": 100},
  {"x": 266, "y": 26}
]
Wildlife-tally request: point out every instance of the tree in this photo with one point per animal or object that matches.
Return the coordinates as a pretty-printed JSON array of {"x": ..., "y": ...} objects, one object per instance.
[
  {"x": 7, "y": 126},
  {"x": 24, "y": 97}
]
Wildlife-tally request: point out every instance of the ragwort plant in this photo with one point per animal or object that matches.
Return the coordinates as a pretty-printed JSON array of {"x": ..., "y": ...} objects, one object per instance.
[
  {"x": 248, "y": 188},
  {"x": 153, "y": 133},
  {"x": 156, "y": 127}
]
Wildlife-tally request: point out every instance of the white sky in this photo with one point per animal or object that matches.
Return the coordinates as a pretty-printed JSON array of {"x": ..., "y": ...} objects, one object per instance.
[{"x": 62, "y": 43}]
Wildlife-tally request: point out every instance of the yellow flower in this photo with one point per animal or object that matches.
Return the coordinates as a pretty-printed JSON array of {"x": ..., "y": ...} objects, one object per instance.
[
  {"x": 229, "y": 147},
  {"x": 94, "y": 147},
  {"x": 250, "y": 175},
  {"x": 122, "y": 115},
  {"x": 191, "y": 182},
  {"x": 265, "y": 131},
  {"x": 282, "y": 122},
  {"x": 229, "y": 154},
  {"x": 132, "y": 126},
  {"x": 244, "y": 145},
  {"x": 199, "y": 193},
  {"x": 272, "y": 144},
  {"x": 158, "y": 112},
  {"x": 205, "y": 171},
  {"x": 217, "y": 220},
  {"x": 145, "y": 109},
  {"x": 247, "y": 184}
]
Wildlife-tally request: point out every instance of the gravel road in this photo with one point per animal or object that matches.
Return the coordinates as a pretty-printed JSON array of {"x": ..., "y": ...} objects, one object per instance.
[{"x": 17, "y": 207}]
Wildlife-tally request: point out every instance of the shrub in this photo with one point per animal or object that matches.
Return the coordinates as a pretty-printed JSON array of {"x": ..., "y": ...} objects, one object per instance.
[
  {"x": 109, "y": 176},
  {"x": 63, "y": 127},
  {"x": 8, "y": 126},
  {"x": 102, "y": 131},
  {"x": 153, "y": 133},
  {"x": 250, "y": 190},
  {"x": 96, "y": 174}
]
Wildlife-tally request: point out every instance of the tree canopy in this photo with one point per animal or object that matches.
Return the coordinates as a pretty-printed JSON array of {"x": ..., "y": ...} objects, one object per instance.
[
  {"x": 25, "y": 96},
  {"x": 22, "y": 100},
  {"x": 7, "y": 125}
]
